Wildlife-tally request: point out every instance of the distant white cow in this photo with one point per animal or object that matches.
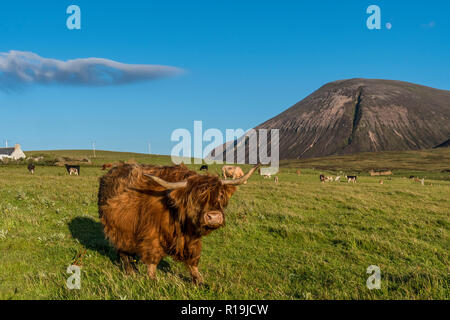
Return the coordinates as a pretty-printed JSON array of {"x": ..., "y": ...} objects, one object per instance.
[
  {"x": 338, "y": 178},
  {"x": 267, "y": 172}
]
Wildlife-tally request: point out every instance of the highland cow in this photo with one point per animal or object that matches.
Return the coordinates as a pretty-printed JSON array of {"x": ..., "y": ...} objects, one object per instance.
[
  {"x": 152, "y": 212},
  {"x": 232, "y": 172}
]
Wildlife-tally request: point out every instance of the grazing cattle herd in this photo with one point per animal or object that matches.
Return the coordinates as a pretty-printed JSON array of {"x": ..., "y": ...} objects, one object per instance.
[
  {"x": 236, "y": 172},
  {"x": 150, "y": 211}
]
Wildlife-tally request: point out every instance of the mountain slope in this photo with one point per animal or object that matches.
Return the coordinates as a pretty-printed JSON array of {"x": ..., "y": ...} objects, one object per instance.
[{"x": 363, "y": 115}]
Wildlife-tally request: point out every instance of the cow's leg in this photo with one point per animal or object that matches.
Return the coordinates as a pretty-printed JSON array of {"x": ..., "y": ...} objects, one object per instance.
[
  {"x": 195, "y": 250},
  {"x": 127, "y": 262},
  {"x": 151, "y": 270},
  {"x": 151, "y": 259},
  {"x": 195, "y": 274}
]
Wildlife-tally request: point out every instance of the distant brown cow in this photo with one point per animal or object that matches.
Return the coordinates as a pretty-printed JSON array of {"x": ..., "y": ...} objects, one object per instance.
[
  {"x": 153, "y": 212},
  {"x": 299, "y": 172},
  {"x": 232, "y": 172},
  {"x": 106, "y": 166}
]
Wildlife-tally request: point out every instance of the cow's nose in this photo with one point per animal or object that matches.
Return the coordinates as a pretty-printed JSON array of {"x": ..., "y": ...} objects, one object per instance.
[{"x": 214, "y": 218}]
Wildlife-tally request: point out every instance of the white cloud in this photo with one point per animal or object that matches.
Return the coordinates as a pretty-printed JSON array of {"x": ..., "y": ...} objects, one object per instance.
[
  {"x": 20, "y": 68},
  {"x": 429, "y": 25}
]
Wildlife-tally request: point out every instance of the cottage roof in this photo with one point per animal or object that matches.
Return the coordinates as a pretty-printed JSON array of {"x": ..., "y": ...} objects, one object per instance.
[{"x": 6, "y": 151}]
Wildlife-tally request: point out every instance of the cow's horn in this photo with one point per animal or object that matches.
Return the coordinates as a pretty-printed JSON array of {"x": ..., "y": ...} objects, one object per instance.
[
  {"x": 166, "y": 184},
  {"x": 241, "y": 180}
]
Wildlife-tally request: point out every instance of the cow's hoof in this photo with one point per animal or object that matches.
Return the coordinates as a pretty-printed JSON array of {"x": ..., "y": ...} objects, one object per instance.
[{"x": 198, "y": 281}]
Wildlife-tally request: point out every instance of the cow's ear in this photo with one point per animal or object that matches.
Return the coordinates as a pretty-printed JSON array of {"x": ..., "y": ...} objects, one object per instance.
[{"x": 230, "y": 191}]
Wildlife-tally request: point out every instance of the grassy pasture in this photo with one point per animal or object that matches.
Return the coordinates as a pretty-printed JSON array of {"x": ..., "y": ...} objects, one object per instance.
[{"x": 300, "y": 239}]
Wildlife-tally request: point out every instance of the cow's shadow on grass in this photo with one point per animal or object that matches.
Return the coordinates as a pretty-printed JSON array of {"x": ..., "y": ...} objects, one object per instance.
[{"x": 90, "y": 235}]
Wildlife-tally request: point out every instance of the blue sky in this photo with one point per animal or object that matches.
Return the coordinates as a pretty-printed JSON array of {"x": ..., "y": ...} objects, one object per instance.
[{"x": 244, "y": 62}]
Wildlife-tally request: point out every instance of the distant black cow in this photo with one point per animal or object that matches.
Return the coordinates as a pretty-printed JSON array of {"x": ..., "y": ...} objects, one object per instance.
[
  {"x": 71, "y": 169},
  {"x": 411, "y": 177},
  {"x": 351, "y": 179},
  {"x": 204, "y": 167},
  {"x": 31, "y": 168}
]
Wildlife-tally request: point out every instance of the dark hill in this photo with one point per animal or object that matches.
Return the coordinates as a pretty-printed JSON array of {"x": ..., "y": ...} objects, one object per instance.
[
  {"x": 443, "y": 144},
  {"x": 363, "y": 115}
]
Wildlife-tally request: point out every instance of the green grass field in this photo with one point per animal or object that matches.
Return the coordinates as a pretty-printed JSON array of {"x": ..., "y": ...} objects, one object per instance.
[{"x": 300, "y": 239}]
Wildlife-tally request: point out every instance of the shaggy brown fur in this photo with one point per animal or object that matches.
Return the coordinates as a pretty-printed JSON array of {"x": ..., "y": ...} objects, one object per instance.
[{"x": 140, "y": 217}]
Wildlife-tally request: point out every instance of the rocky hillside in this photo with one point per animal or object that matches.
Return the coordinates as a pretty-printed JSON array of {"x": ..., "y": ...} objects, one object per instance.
[{"x": 363, "y": 115}]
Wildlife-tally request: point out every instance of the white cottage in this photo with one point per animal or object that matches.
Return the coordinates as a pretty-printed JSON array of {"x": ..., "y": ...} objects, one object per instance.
[{"x": 15, "y": 153}]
